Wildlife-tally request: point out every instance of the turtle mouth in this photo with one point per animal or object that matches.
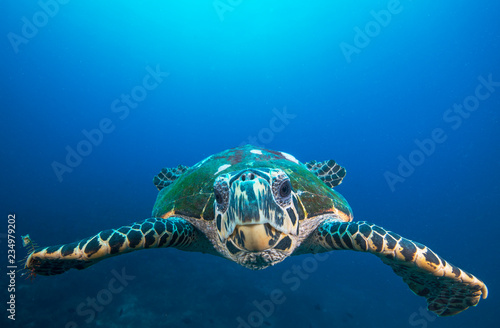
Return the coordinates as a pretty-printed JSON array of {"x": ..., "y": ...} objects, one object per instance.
[{"x": 255, "y": 237}]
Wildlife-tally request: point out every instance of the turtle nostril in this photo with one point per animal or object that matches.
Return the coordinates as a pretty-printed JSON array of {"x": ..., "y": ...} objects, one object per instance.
[{"x": 247, "y": 176}]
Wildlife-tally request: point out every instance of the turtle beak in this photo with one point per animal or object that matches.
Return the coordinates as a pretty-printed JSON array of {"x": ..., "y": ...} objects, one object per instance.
[{"x": 255, "y": 237}]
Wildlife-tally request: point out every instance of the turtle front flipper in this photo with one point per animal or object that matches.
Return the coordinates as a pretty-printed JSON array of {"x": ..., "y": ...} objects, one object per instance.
[
  {"x": 448, "y": 289},
  {"x": 151, "y": 233}
]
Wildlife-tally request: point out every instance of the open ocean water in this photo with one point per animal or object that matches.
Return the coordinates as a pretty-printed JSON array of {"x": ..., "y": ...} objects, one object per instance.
[{"x": 97, "y": 96}]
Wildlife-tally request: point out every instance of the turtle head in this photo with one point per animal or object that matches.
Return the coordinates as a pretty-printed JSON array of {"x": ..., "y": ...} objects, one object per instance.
[{"x": 256, "y": 216}]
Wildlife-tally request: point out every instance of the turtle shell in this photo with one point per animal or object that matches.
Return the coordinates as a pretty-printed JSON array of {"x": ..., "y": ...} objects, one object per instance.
[{"x": 191, "y": 194}]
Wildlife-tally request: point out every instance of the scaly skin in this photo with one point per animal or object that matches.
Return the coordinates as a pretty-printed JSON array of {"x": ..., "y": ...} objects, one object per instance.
[
  {"x": 448, "y": 289},
  {"x": 151, "y": 233}
]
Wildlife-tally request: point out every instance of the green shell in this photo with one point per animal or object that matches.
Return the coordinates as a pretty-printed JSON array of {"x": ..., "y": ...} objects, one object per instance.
[{"x": 191, "y": 194}]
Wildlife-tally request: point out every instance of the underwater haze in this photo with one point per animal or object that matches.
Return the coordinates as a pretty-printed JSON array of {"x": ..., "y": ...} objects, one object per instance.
[{"x": 97, "y": 97}]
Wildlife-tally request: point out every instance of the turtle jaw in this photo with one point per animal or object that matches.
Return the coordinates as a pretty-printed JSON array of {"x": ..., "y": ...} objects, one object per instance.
[
  {"x": 258, "y": 246},
  {"x": 260, "y": 260},
  {"x": 255, "y": 237}
]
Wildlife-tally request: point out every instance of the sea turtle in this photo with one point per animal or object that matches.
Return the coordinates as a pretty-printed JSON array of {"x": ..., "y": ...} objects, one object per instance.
[{"x": 256, "y": 207}]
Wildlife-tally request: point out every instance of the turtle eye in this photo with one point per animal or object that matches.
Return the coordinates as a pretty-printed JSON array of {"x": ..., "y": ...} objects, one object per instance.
[
  {"x": 285, "y": 188},
  {"x": 218, "y": 196},
  {"x": 282, "y": 190},
  {"x": 221, "y": 193}
]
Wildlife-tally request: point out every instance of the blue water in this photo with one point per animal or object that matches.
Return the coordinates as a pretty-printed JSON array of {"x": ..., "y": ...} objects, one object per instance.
[{"x": 405, "y": 95}]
